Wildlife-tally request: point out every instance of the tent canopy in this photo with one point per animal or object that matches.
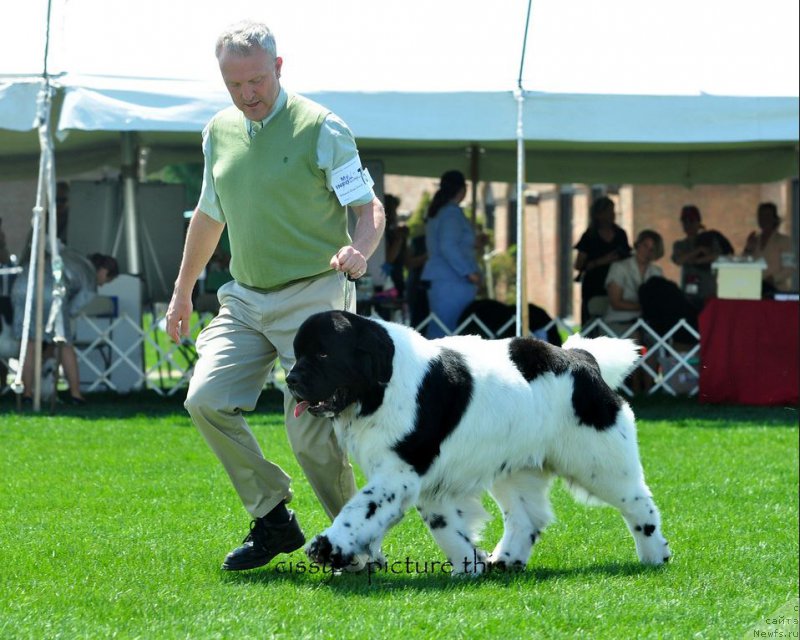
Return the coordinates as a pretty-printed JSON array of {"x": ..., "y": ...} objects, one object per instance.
[
  {"x": 422, "y": 95},
  {"x": 569, "y": 137}
]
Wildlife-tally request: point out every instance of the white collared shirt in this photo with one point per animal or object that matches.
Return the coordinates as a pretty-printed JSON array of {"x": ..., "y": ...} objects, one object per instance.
[{"x": 335, "y": 148}]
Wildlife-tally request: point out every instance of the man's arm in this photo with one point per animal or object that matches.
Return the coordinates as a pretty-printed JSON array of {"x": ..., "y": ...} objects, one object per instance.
[
  {"x": 371, "y": 220},
  {"x": 201, "y": 241}
]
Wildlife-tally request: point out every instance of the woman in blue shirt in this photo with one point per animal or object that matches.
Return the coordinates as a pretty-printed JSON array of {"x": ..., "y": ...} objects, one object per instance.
[{"x": 451, "y": 269}]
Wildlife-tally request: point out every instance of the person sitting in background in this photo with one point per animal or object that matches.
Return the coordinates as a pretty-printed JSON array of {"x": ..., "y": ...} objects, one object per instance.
[
  {"x": 775, "y": 248},
  {"x": 622, "y": 284},
  {"x": 600, "y": 245},
  {"x": 82, "y": 277},
  {"x": 695, "y": 253},
  {"x": 452, "y": 268},
  {"x": 626, "y": 276}
]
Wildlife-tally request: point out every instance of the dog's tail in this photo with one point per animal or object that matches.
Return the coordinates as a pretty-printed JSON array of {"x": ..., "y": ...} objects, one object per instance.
[{"x": 616, "y": 356}]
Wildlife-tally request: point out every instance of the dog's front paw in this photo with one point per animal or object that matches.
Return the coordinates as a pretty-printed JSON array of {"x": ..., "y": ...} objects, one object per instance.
[
  {"x": 322, "y": 551},
  {"x": 506, "y": 566}
]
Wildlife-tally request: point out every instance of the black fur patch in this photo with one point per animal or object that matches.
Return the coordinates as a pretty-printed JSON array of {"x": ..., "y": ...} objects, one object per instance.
[
  {"x": 375, "y": 351},
  {"x": 442, "y": 398},
  {"x": 595, "y": 403},
  {"x": 649, "y": 529},
  {"x": 372, "y": 507},
  {"x": 437, "y": 521},
  {"x": 321, "y": 550},
  {"x": 535, "y": 358}
]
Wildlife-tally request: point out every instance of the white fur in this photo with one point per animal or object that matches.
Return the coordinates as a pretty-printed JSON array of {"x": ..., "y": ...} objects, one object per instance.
[
  {"x": 530, "y": 431},
  {"x": 616, "y": 356}
]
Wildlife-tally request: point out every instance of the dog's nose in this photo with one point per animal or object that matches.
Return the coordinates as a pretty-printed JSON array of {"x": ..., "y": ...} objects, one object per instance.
[{"x": 291, "y": 378}]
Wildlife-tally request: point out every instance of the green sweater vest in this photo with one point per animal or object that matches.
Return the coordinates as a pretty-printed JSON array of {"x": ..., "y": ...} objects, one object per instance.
[{"x": 283, "y": 223}]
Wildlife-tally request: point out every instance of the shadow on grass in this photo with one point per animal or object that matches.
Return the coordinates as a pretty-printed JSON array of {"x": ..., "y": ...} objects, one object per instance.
[
  {"x": 678, "y": 411},
  {"x": 690, "y": 411},
  {"x": 416, "y": 577},
  {"x": 105, "y": 405}
]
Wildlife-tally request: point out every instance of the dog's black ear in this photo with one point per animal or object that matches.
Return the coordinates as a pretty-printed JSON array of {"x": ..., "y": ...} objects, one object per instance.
[{"x": 375, "y": 352}]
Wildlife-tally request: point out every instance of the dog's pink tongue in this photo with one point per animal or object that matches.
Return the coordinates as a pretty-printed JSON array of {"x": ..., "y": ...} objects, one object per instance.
[{"x": 300, "y": 408}]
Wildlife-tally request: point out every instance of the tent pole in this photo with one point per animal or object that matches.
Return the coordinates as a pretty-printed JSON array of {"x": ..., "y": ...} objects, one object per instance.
[
  {"x": 36, "y": 262},
  {"x": 38, "y": 246},
  {"x": 519, "y": 95},
  {"x": 522, "y": 297},
  {"x": 129, "y": 170}
]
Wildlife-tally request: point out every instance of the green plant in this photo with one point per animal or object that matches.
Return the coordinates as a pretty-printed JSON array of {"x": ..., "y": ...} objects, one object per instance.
[{"x": 116, "y": 517}]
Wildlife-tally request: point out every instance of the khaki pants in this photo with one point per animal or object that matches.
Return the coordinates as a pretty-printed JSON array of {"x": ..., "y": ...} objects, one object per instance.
[{"x": 237, "y": 351}]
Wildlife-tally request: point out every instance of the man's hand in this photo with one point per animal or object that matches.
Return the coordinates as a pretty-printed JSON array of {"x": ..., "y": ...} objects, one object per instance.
[
  {"x": 178, "y": 314},
  {"x": 349, "y": 261}
]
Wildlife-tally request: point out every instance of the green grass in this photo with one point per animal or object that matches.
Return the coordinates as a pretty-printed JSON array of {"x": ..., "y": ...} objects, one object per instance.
[{"x": 114, "y": 523}]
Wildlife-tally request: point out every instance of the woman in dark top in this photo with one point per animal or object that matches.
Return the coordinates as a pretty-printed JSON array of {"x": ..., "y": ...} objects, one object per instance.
[{"x": 600, "y": 245}]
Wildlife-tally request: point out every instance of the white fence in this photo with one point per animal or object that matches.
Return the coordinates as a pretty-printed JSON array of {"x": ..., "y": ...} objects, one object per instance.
[{"x": 148, "y": 359}]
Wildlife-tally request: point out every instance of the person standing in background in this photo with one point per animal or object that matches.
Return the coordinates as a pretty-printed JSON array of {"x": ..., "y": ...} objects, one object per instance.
[
  {"x": 452, "y": 268},
  {"x": 775, "y": 248},
  {"x": 694, "y": 255},
  {"x": 601, "y": 244}
]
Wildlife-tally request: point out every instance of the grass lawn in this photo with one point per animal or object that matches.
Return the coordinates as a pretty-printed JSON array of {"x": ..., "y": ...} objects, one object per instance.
[{"x": 115, "y": 519}]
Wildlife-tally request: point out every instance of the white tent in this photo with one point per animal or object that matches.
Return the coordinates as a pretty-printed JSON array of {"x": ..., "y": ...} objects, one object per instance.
[
  {"x": 569, "y": 137},
  {"x": 613, "y": 92}
]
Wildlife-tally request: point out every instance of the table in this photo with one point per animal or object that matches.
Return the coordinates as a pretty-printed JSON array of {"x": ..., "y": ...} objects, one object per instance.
[{"x": 749, "y": 352}]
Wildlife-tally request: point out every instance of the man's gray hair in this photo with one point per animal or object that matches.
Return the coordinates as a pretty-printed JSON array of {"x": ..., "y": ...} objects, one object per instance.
[{"x": 242, "y": 37}]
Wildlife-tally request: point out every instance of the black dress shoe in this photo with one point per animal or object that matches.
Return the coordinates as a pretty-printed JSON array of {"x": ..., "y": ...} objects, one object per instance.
[{"x": 265, "y": 541}]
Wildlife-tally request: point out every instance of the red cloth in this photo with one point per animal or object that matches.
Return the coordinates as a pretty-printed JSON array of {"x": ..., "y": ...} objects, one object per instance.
[{"x": 749, "y": 352}]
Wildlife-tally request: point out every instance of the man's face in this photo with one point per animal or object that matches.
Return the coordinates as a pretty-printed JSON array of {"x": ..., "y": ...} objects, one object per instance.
[
  {"x": 252, "y": 81},
  {"x": 766, "y": 219},
  {"x": 690, "y": 225}
]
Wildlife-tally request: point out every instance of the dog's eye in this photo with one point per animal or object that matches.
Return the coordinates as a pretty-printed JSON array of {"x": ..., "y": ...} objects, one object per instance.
[{"x": 322, "y": 355}]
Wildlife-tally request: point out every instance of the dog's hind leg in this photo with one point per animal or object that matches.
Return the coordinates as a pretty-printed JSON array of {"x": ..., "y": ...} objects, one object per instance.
[
  {"x": 610, "y": 470},
  {"x": 523, "y": 497},
  {"x": 632, "y": 497},
  {"x": 455, "y": 523}
]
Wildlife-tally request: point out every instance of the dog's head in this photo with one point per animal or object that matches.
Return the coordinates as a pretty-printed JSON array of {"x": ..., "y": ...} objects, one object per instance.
[{"x": 341, "y": 359}]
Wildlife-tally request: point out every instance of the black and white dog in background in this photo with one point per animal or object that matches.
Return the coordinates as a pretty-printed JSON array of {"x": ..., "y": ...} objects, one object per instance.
[{"x": 435, "y": 423}]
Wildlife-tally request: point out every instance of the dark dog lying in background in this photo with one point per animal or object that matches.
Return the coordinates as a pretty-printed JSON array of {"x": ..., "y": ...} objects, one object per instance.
[{"x": 498, "y": 318}]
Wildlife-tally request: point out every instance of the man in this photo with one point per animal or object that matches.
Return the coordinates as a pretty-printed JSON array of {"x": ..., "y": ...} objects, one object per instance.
[
  {"x": 695, "y": 253},
  {"x": 776, "y": 249},
  {"x": 279, "y": 170}
]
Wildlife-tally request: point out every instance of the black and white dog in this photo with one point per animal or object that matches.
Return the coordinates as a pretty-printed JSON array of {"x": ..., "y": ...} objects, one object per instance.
[{"x": 435, "y": 423}]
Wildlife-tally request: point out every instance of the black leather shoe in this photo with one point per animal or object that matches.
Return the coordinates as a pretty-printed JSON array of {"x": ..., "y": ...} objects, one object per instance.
[{"x": 264, "y": 542}]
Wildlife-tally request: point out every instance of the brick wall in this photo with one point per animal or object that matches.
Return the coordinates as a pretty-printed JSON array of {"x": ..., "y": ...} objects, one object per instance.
[{"x": 730, "y": 209}]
